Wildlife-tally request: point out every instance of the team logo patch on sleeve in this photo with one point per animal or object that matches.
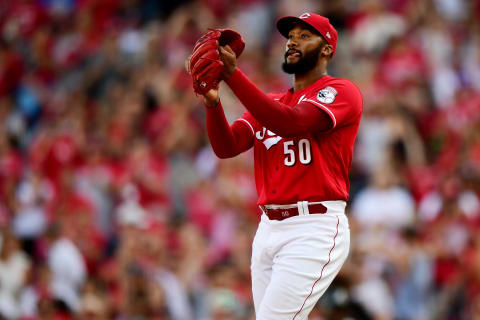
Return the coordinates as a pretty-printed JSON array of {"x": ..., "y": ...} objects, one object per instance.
[{"x": 327, "y": 95}]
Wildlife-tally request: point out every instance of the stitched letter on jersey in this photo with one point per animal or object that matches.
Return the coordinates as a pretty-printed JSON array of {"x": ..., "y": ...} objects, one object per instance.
[{"x": 271, "y": 140}]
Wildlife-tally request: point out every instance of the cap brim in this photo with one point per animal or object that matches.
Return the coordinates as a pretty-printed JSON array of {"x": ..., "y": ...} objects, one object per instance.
[{"x": 285, "y": 24}]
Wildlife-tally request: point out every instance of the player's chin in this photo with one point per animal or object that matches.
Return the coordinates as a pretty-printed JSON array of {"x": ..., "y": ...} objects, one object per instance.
[{"x": 289, "y": 67}]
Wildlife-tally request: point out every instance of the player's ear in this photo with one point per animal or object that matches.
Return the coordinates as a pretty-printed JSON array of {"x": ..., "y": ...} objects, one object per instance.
[{"x": 326, "y": 50}]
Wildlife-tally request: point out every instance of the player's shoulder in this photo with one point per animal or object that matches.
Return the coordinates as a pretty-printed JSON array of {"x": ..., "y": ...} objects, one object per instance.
[
  {"x": 341, "y": 83},
  {"x": 328, "y": 88}
]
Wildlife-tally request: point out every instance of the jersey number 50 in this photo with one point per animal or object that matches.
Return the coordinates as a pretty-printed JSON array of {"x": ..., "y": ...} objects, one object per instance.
[{"x": 304, "y": 152}]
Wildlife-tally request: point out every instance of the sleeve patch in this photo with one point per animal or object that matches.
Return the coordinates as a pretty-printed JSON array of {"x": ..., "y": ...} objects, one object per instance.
[{"x": 327, "y": 95}]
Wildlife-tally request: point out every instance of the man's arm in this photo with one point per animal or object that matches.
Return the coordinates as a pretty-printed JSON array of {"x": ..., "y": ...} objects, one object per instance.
[
  {"x": 280, "y": 118},
  {"x": 227, "y": 141}
]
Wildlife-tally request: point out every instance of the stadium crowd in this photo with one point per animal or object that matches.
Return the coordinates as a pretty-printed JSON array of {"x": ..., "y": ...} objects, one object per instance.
[{"x": 113, "y": 206}]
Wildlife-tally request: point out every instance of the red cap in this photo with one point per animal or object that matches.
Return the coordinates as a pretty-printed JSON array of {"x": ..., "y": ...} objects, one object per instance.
[{"x": 316, "y": 21}]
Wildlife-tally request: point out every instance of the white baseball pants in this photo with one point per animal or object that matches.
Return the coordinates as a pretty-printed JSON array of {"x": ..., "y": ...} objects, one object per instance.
[{"x": 295, "y": 260}]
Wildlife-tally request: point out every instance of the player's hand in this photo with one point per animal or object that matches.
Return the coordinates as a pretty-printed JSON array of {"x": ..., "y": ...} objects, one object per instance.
[
  {"x": 211, "y": 98},
  {"x": 229, "y": 60}
]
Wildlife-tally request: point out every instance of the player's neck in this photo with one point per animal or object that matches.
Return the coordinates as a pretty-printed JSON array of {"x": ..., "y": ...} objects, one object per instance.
[{"x": 301, "y": 81}]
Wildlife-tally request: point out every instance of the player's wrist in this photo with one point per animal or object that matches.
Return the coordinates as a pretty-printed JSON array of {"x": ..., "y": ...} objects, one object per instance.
[
  {"x": 228, "y": 72},
  {"x": 233, "y": 77},
  {"x": 212, "y": 103},
  {"x": 211, "y": 98}
]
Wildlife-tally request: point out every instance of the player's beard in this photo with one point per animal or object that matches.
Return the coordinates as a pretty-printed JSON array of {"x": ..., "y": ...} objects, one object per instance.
[{"x": 306, "y": 62}]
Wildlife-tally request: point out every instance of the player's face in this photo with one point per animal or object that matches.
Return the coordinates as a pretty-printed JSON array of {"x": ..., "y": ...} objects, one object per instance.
[{"x": 303, "y": 50}]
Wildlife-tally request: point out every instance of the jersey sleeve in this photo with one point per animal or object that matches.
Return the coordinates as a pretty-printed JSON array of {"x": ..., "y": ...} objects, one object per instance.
[
  {"x": 340, "y": 100},
  {"x": 248, "y": 120}
]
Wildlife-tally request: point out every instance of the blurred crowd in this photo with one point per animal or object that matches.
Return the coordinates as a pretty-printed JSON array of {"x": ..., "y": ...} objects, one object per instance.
[{"x": 113, "y": 206}]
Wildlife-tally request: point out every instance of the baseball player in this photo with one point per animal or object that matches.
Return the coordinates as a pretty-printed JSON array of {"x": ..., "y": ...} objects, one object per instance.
[{"x": 303, "y": 143}]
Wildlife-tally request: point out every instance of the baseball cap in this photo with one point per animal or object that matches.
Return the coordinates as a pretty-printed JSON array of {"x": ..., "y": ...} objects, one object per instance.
[{"x": 316, "y": 21}]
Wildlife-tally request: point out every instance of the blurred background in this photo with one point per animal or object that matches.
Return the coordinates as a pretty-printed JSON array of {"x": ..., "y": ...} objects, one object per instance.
[{"x": 113, "y": 206}]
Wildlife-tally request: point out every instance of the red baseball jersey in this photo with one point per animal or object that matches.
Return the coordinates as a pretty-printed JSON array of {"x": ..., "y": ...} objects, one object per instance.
[{"x": 315, "y": 166}]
